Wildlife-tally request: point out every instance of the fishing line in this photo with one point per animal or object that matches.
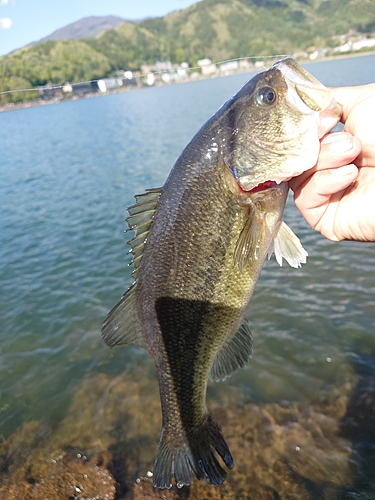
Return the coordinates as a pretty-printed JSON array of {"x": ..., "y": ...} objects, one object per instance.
[{"x": 144, "y": 75}]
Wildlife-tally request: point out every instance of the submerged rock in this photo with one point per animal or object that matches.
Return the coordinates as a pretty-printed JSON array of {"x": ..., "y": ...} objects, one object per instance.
[
  {"x": 109, "y": 438},
  {"x": 286, "y": 451},
  {"x": 67, "y": 478}
]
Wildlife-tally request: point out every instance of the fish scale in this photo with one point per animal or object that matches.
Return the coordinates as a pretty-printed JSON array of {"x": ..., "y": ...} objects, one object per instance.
[{"x": 200, "y": 244}]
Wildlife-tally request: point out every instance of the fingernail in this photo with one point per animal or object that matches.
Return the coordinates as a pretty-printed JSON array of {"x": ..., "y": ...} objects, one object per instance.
[
  {"x": 335, "y": 136},
  {"x": 338, "y": 143},
  {"x": 342, "y": 171},
  {"x": 341, "y": 146}
]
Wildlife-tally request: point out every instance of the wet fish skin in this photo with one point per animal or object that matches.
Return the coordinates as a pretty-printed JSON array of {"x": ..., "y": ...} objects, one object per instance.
[
  {"x": 200, "y": 245},
  {"x": 201, "y": 296}
]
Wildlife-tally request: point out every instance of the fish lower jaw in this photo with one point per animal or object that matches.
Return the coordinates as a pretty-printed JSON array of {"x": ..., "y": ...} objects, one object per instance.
[{"x": 248, "y": 184}]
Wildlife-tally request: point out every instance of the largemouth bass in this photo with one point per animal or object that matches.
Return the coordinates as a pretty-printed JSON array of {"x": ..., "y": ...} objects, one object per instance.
[{"x": 200, "y": 243}]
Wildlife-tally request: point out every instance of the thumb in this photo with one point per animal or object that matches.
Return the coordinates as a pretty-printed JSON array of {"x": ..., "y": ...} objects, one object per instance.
[{"x": 359, "y": 118}]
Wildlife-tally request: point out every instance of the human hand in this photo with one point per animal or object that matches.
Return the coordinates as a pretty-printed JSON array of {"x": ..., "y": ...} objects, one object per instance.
[{"x": 337, "y": 196}]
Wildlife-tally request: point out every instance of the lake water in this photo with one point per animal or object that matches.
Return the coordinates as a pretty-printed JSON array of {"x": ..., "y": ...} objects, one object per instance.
[{"x": 67, "y": 174}]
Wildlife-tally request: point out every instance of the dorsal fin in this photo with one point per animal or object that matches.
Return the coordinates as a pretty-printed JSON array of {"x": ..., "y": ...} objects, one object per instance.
[
  {"x": 140, "y": 218},
  {"x": 234, "y": 354},
  {"x": 286, "y": 244},
  {"x": 122, "y": 325}
]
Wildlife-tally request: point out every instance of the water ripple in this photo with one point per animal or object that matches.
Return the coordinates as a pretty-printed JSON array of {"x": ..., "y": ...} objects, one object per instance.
[{"x": 67, "y": 174}]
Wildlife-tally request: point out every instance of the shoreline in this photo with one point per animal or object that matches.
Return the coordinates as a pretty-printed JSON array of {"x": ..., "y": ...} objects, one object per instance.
[{"x": 41, "y": 102}]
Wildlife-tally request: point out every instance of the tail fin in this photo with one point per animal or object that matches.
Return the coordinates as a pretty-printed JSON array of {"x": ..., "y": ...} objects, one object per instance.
[{"x": 192, "y": 454}]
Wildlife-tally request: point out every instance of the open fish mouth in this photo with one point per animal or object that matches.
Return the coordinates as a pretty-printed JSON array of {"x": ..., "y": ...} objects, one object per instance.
[
  {"x": 309, "y": 95},
  {"x": 313, "y": 94},
  {"x": 260, "y": 187}
]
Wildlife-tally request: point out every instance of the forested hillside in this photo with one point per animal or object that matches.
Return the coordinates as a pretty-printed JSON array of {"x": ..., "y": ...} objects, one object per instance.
[{"x": 217, "y": 29}]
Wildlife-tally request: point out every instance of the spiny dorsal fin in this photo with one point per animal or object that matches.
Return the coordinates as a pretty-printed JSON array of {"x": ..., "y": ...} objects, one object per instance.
[
  {"x": 122, "y": 325},
  {"x": 234, "y": 354},
  {"x": 248, "y": 243},
  {"x": 288, "y": 245},
  {"x": 140, "y": 218}
]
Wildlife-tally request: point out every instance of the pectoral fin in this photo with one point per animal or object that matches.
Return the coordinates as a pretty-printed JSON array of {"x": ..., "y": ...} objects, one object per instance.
[
  {"x": 248, "y": 243},
  {"x": 122, "y": 325},
  {"x": 286, "y": 244},
  {"x": 234, "y": 354}
]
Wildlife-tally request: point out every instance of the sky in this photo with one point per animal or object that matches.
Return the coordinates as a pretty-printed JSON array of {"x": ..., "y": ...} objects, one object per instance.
[{"x": 26, "y": 21}]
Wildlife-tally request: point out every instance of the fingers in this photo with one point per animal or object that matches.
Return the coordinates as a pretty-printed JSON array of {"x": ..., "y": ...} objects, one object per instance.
[
  {"x": 359, "y": 118},
  {"x": 315, "y": 194},
  {"x": 333, "y": 173},
  {"x": 351, "y": 97},
  {"x": 337, "y": 149},
  {"x": 327, "y": 195}
]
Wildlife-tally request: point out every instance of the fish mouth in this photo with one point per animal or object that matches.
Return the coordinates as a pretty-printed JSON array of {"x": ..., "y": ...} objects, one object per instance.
[
  {"x": 308, "y": 94},
  {"x": 260, "y": 187},
  {"x": 310, "y": 90}
]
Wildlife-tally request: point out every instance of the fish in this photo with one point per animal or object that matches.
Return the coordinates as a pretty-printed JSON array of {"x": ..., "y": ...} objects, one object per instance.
[{"x": 199, "y": 246}]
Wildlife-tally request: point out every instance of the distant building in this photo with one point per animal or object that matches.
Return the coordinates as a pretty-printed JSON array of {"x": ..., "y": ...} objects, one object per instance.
[
  {"x": 175, "y": 76},
  {"x": 347, "y": 47},
  {"x": 163, "y": 66},
  {"x": 204, "y": 62},
  {"x": 109, "y": 84},
  {"x": 301, "y": 54},
  {"x": 150, "y": 79},
  {"x": 49, "y": 92},
  {"x": 318, "y": 53},
  {"x": 208, "y": 70},
  {"x": 146, "y": 68},
  {"x": 228, "y": 67},
  {"x": 67, "y": 88},
  {"x": 167, "y": 77},
  {"x": 182, "y": 73},
  {"x": 81, "y": 89},
  {"x": 55, "y": 93},
  {"x": 207, "y": 67},
  {"x": 365, "y": 43},
  {"x": 245, "y": 64},
  {"x": 130, "y": 79}
]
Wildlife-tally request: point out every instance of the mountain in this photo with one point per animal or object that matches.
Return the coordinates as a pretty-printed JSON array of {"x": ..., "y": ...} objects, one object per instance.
[
  {"x": 225, "y": 29},
  {"x": 215, "y": 29},
  {"x": 87, "y": 27}
]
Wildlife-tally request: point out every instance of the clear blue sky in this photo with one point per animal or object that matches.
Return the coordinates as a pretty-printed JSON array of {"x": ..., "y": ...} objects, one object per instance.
[{"x": 26, "y": 21}]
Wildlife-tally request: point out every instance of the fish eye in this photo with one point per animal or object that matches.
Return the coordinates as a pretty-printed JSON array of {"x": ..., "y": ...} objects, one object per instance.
[{"x": 266, "y": 96}]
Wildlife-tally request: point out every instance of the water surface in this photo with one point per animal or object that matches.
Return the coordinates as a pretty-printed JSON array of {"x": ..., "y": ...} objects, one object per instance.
[{"x": 67, "y": 174}]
